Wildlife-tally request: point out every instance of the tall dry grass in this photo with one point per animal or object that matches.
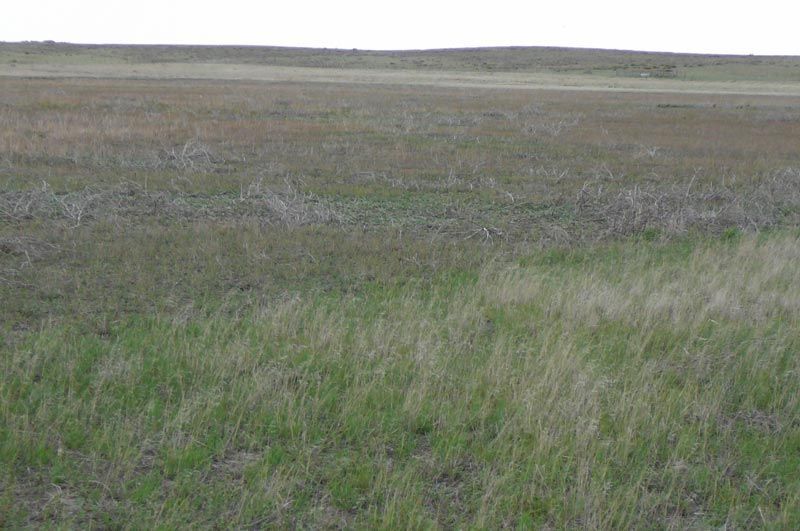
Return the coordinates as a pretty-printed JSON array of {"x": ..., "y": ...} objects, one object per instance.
[{"x": 649, "y": 386}]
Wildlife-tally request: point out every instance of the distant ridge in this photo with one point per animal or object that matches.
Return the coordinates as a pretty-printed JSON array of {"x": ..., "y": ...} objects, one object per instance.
[{"x": 499, "y": 59}]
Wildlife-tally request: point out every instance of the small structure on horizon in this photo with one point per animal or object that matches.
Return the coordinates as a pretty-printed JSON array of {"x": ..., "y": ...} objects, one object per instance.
[{"x": 647, "y": 71}]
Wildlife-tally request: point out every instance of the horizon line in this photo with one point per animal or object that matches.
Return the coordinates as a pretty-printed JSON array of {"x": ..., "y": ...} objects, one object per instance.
[{"x": 397, "y": 50}]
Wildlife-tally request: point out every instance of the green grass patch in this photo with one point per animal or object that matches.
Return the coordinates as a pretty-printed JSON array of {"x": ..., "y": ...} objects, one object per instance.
[{"x": 627, "y": 385}]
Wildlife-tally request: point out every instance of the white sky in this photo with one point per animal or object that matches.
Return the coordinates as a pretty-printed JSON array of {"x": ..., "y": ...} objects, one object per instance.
[{"x": 707, "y": 26}]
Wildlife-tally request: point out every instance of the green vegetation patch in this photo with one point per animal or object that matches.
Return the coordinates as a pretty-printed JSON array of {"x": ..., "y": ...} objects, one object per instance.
[{"x": 622, "y": 386}]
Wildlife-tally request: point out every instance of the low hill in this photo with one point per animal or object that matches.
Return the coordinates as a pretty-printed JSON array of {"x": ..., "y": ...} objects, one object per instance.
[{"x": 509, "y": 59}]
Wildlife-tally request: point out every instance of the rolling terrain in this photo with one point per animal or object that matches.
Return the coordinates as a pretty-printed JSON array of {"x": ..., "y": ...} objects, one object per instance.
[{"x": 525, "y": 287}]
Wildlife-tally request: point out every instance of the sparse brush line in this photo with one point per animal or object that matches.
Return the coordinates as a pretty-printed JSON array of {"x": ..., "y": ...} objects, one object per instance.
[
  {"x": 613, "y": 211},
  {"x": 128, "y": 200}
]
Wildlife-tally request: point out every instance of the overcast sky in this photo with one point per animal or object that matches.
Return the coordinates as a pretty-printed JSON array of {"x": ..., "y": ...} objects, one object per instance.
[{"x": 707, "y": 26}]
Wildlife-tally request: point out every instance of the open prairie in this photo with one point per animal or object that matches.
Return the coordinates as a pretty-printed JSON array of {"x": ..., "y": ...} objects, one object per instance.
[{"x": 266, "y": 287}]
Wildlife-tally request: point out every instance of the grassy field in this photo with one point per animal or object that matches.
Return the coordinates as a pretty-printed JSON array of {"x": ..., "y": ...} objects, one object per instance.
[{"x": 416, "y": 300}]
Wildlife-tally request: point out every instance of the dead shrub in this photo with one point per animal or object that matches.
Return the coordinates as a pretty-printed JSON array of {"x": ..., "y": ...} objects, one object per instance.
[
  {"x": 676, "y": 209},
  {"x": 289, "y": 207}
]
